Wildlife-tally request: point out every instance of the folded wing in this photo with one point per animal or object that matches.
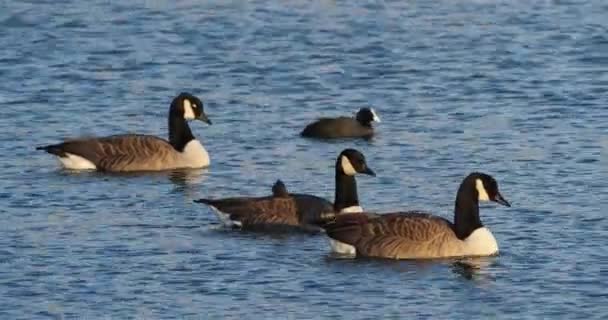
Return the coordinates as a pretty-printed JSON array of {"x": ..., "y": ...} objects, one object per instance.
[
  {"x": 396, "y": 235},
  {"x": 120, "y": 152}
]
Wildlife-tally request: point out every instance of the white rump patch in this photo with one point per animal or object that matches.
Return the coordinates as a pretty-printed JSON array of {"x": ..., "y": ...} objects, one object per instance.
[
  {"x": 347, "y": 167},
  {"x": 225, "y": 218},
  {"x": 195, "y": 155},
  {"x": 188, "y": 111},
  {"x": 480, "y": 243},
  {"x": 351, "y": 209},
  {"x": 341, "y": 247},
  {"x": 375, "y": 116},
  {"x": 74, "y": 162},
  {"x": 481, "y": 191}
]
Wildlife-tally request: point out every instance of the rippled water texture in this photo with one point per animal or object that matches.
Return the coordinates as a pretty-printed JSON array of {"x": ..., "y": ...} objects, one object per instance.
[{"x": 516, "y": 89}]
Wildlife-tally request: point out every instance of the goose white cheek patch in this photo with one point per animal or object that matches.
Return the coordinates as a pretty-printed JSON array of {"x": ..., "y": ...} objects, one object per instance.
[
  {"x": 352, "y": 209},
  {"x": 347, "y": 167},
  {"x": 375, "y": 116},
  {"x": 188, "y": 111},
  {"x": 481, "y": 191}
]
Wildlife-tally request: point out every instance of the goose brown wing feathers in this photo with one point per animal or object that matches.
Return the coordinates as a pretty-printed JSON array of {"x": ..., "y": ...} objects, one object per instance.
[
  {"x": 394, "y": 235},
  {"x": 124, "y": 152},
  {"x": 252, "y": 212},
  {"x": 311, "y": 208}
]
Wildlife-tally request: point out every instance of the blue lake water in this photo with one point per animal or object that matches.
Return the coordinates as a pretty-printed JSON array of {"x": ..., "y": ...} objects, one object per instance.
[{"x": 517, "y": 89}]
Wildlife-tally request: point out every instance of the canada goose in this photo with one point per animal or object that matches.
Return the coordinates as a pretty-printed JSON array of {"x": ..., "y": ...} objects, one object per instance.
[
  {"x": 285, "y": 211},
  {"x": 343, "y": 127},
  {"x": 418, "y": 235},
  {"x": 136, "y": 152}
]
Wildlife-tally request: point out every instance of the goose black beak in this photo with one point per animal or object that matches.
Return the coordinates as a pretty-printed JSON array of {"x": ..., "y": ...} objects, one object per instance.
[
  {"x": 203, "y": 117},
  {"x": 499, "y": 199},
  {"x": 368, "y": 171}
]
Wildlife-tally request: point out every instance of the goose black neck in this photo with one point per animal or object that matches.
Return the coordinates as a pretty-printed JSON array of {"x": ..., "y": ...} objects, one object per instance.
[
  {"x": 179, "y": 131},
  {"x": 466, "y": 211},
  {"x": 346, "y": 191},
  {"x": 365, "y": 123}
]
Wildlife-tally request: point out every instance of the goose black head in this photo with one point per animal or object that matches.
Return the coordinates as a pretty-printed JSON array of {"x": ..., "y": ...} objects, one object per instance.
[
  {"x": 350, "y": 162},
  {"x": 190, "y": 107},
  {"x": 486, "y": 188},
  {"x": 366, "y": 116}
]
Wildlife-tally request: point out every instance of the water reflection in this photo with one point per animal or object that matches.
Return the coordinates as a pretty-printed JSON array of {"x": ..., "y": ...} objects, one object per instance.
[
  {"x": 180, "y": 177},
  {"x": 471, "y": 268},
  {"x": 188, "y": 177}
]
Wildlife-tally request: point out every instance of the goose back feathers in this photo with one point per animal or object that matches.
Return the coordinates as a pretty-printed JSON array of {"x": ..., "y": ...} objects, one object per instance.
[
  {"x": 130, "y": 152},
  {"x": 280, "y": 211}
]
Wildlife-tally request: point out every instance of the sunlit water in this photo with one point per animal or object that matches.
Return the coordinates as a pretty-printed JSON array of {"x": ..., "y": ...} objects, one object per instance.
[{"x": 516, "y": 89}]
